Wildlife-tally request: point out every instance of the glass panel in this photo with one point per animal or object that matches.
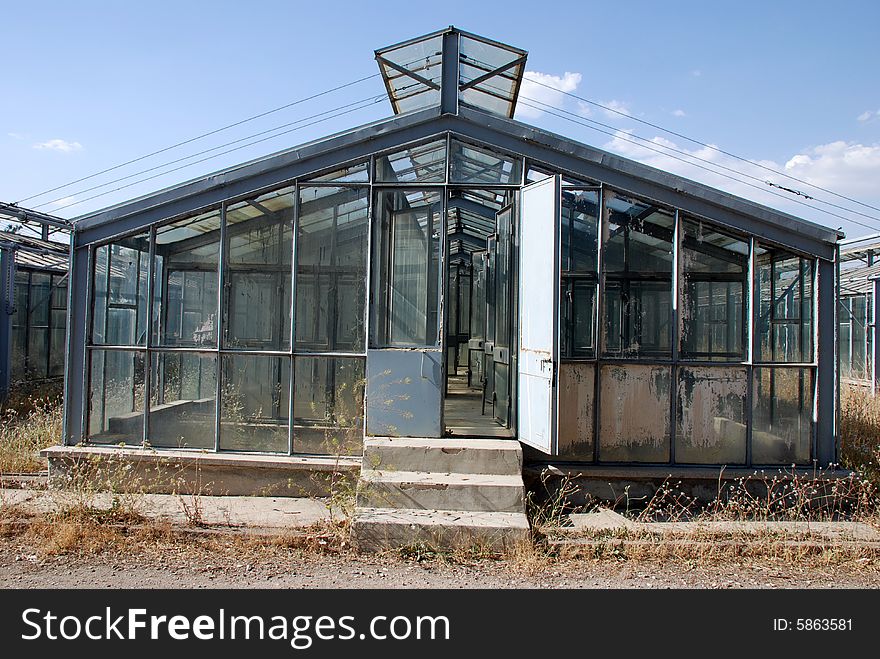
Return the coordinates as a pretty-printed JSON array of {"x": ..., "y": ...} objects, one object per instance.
[
  {"x": 423, "y": 58},
  {"x": 536, "y": 173},
  {"x": 19, "y": 325},
  {"x": 328, "y": 405},
  {"x": 576, "y": 410},
  {"x": 116, "y": 397},
  {"x": 423, "y": 163},
  {"x": 478, "y": 58},
  {"x": 257, "y": 306},
  {"x": 859, "y": 337},
  {"x": 331, "y": 275},
  {"x": 634, "y": 413},
  {"x": 187, "y": 257},
  {"x": 638, "y": 278},
  {"x": 120, "y": 292},
  {"x": 579, "y": 258},
  {"x": 479, "y": 165},
  {"x": 254, "y": 403},
  {"x": 183, "y": 400},
  {"x": 715, "y": 271},
  {"x": 406, "y": 262},
  {"x": 711, "y": 418},
  {"x": 782, "y": 417},
  {"x": 844, "y": 338},
  {"x": 785, "y": 292},
  {"x": 359, "y": 173}
]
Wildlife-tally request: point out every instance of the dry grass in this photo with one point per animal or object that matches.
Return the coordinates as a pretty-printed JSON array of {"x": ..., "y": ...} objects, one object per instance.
[
  {"x": 30, "y": 420},
  {"x": 860, "y": 432}
]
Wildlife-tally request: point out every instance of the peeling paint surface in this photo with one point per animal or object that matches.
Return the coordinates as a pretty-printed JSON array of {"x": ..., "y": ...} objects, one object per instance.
[
  {"x": 711, "y": 415},
  {"x": 576, "y": 403},
  {"x": 782, "y": 423},
  {"x": 634, "y": 423}
]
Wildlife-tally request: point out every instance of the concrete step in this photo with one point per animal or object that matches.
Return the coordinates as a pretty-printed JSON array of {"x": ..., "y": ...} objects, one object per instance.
[
  {"x": 377, "y": 529},
  {"x": 450, "y": 454},
  {"x": 419, "y": 490}
]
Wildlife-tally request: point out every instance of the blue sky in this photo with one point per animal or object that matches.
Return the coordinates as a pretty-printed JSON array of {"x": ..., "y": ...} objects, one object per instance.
[{"x": 88, "y": 85}]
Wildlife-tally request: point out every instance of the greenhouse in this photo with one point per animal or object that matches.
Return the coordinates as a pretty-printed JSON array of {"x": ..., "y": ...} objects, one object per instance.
[
  {"x": 450, "y": 272},
  {"x": 33, "y": 278},
  {"x": 859, "y": 271}
]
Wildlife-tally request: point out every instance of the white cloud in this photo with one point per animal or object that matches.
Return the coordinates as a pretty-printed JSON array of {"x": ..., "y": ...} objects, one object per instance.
[
  {"x": 848, "y": 168},
  {"x": 696, "y": 73},
  {"x": 867, "y": 115},
  {"x": 616, "y": 108},
  {"x": 17, "y": 136},
  {"x": 59, "y": 145},
  {"x": 544, "y": 88},
  {"x": 678, "y": 113}
]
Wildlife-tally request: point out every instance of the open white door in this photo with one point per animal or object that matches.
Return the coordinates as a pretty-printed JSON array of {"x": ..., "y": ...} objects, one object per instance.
[{"x": 538, "y": 313}]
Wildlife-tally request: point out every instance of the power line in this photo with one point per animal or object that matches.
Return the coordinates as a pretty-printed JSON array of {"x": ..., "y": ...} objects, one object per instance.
[
  {"x": 216, "y": 155},
  {"x": 202, "y": 136},
  {"x": 693, "y": 164},
  {"x": 617, "y": 134},
  {"x": 371, "y": 99},
  {"x": 708, "y": 146}
]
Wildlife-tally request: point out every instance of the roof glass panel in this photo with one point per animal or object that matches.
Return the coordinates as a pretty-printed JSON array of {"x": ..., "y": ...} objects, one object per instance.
[
  {"x": 359, "y": 173},
  {"x": 473, "y": 164},
  {"x": 490, "y": 74},
  {"x": 412, "y": 73},
  {"x": 423, "y": 163}
]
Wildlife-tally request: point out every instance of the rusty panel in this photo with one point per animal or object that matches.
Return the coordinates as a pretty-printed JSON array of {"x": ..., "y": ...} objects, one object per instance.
[
  {"x": 711, "y": 415},
  {"x": 576, "y": 404},
  {"x": 634, "y": 415}
]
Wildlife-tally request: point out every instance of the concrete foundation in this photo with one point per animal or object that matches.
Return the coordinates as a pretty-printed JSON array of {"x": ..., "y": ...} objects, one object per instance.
[{"x": 192, "y": 472}]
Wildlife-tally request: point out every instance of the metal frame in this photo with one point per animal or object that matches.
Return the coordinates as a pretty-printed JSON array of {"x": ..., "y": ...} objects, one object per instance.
[{"x": 449, "y": 120}]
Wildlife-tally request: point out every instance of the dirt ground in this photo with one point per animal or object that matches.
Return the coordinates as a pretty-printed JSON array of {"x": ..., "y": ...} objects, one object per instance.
[{"x": 233, "y": 567}]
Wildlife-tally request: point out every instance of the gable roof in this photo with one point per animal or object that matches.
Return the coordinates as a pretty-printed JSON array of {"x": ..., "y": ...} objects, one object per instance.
[{"x": 553, "y": 151}]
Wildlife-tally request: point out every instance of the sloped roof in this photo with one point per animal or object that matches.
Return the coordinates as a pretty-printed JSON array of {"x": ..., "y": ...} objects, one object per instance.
[
  {"x": 31, "y": 252},
  {"x": 553, "y": 151}
]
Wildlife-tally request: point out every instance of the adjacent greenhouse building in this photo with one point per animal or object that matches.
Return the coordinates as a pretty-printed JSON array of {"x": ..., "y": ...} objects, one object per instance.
[{"x": 450, "y": 272}]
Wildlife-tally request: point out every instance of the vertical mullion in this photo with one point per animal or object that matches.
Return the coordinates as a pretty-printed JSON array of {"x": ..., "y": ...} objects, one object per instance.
[
  {"x": 674, "y": 331},
  {"x": 752, "y": 316},
  {"x": 369, "y": 288},
  {"x": 294, "y": 243},
  {"x": 221, "y": 295},
  {"x": 148, "y": 339},
  {"x": 599, "y": 306}
]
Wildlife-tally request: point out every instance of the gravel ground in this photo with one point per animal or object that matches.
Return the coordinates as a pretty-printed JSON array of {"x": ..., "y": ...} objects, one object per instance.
[{"x": 185, "y": 567}]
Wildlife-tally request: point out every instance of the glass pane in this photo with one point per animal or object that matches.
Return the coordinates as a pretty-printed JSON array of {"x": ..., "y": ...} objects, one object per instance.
[
  {"x": 359, "y": 173},
  {"x": 638, "y": 278},
  {"x": 257, "y": 305},
  {"x": 421, "y": 57},
  {"x": 187, "y": 257},
  {"x": 406, "y": 268},
  {"x": 331, "y": 255},
  {"x": 254, "y": 403},
  {"x": 479, "y": 165},
  {"x": 478, "y": 58},
  {"x": 423, "y": 163},
  {"x": 328, "y": 405},
  {"x": 116, "y": 397},
  {"x": 785, "y": 292},
  {"x": 782, "y": 417},
  {"x": 634, "y": 413},
  {"x": 182, "y": 400},
  {"x": 715, "y": 271},
  {"x": 711, "y": 419},
  {"x": 120, "y": 276},
  {"x": 576, "y": 410}
]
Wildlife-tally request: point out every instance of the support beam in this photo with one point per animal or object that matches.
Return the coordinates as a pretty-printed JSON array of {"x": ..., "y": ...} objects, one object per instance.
[
  {"x": 450, "y": 76},
  {"x": 7, "y": 301},
  {"x": 827, "y": 376},
  {"x": 875, "y": 343}
]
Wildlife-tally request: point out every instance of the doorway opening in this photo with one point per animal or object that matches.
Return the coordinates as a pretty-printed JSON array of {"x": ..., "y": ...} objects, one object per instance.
[{"x": 480, "y": 314}]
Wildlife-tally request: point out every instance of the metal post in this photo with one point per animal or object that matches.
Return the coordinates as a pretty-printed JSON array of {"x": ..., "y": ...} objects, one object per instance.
[
  {"x": 7, "y": 291},
  {"x": 826, "y": 357},
  {"x": 450, "y": 75},
  {"x": 875, "y": 344}
]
